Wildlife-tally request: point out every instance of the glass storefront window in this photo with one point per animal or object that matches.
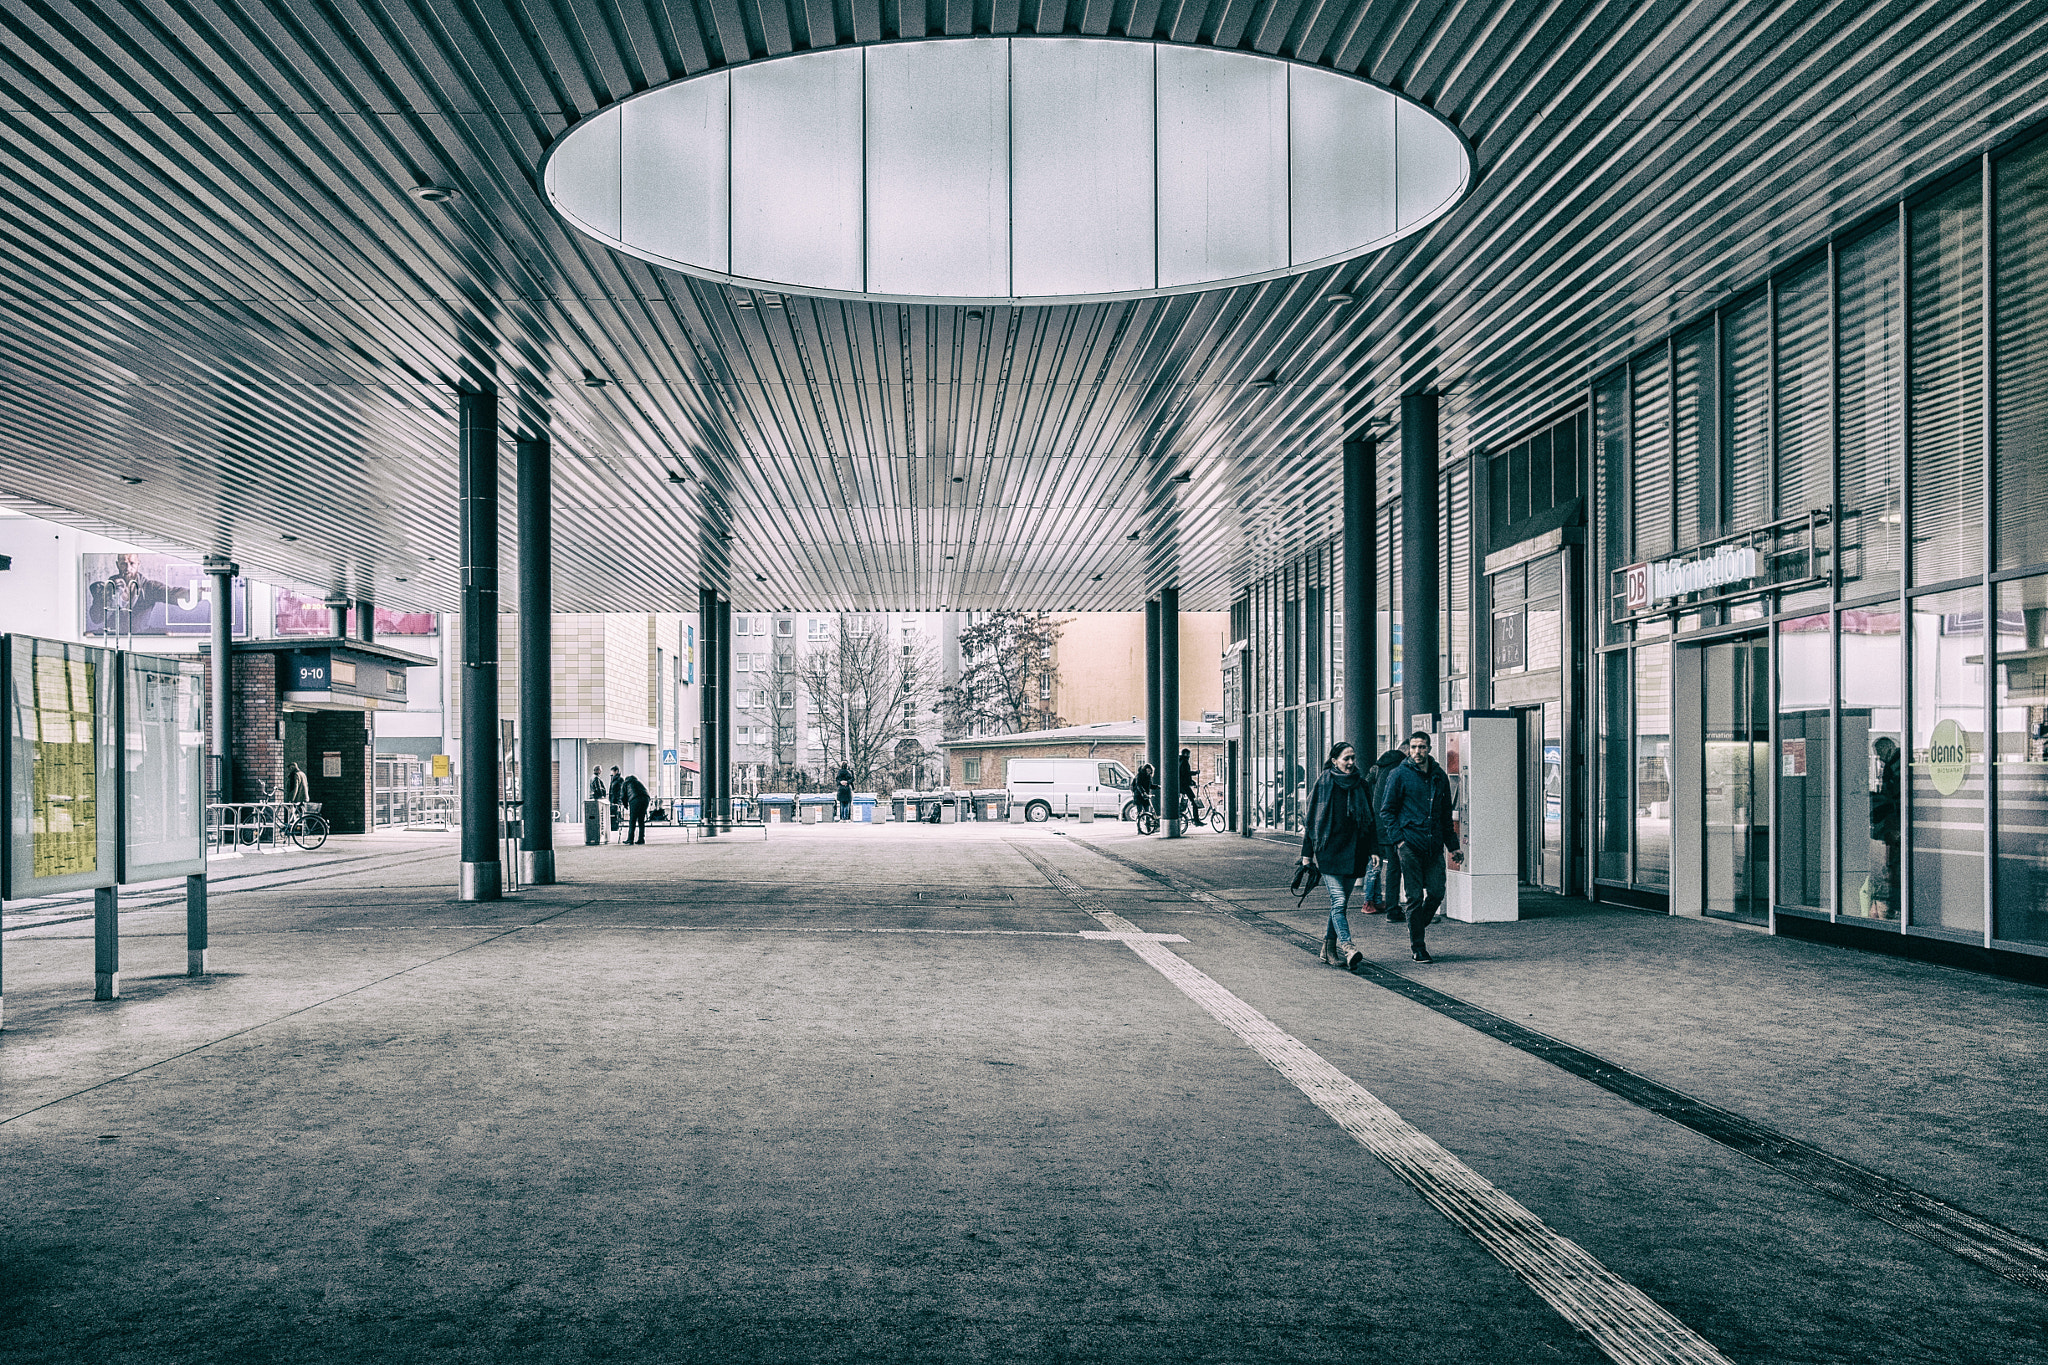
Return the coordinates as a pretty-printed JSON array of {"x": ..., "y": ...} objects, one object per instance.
[
  {"x": 1945, "y": 784},
  {"x": 1806, "y": 694},
  {"x": 1868, "y": 353},
  {"x": 1615, "y": 788},
  {"x": 2022, "y": 356},
  {"x": 1872, "y": 764},
  {"x": 1946, "y": 385},
  {"x": 2021, "y": 684},
  {"x": 1653, "y": 765}
]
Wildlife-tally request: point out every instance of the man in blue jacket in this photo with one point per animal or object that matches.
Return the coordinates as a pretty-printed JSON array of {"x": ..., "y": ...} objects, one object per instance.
[{"x": 1415, "y": 818}]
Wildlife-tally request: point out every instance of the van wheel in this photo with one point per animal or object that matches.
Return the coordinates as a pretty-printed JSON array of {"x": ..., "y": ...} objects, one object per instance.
[
  {"x": 1038, "y": 812},
  {"x": 1129, "y": 812}
]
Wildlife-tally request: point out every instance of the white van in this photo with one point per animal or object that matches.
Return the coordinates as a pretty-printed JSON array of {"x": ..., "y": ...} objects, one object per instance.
[{"x": 1046, "y": 787}]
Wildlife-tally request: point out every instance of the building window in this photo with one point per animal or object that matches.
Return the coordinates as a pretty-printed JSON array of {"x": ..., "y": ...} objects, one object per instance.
[
  {"x": 784, "y": 627},
  {"x": 816, "y": 629},
  {"x": 970, "y": 770}
]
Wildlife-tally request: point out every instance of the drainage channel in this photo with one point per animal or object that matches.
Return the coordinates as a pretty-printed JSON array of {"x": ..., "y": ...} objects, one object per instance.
[{"x": 1935, "y": 1221}]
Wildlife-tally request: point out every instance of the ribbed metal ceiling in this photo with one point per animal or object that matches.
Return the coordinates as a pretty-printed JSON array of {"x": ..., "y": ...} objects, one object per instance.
[{"x": 217, "y": 281}]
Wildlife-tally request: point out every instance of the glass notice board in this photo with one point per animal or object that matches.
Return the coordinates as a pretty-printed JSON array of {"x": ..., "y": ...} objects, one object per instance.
[
  {"x": 59, "y": 766},
  {"x": 163, "y": 800}
]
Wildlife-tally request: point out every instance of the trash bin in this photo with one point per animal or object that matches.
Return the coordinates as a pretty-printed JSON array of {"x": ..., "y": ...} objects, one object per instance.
[
  {"x": 593, "y": 822},
  {"x": 779, "y": 807},
  {"x": 691, "y": 811},
  {"x": 864, "y": 808},
  {"x": 896, "y": 804}
]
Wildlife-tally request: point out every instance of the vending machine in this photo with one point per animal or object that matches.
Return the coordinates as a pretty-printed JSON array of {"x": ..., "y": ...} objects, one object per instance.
[{"x": 1481, "y": 752}]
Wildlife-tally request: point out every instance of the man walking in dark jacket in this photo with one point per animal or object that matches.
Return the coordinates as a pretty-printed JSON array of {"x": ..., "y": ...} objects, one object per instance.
[
  {"x": 1415, "y": 814},
  {"x": 636, "y": 794}
]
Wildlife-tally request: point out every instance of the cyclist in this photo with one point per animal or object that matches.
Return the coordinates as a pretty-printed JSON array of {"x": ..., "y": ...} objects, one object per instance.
[
  {"x": 1190, "y": 787},
  {"x": 1142, "y": 787}
]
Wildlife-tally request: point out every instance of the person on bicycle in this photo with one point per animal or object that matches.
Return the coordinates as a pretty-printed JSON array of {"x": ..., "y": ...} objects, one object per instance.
[
  {"x": 1190, "y": 786},
  {"x": 1142, "y": 787}
]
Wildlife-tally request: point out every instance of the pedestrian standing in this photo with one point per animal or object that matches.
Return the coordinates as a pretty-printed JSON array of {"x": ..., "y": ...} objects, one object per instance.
[
  {"x": 1415, "y": 814},
  {"x": 845, "y": 792},
  {"x": 635, "y": 792},
  {"x": 615, "y": 794},
  {"x": 597, "y": 793},
  {"x": 296, "y": 788},
  {"x": 1337, "y": 841}
]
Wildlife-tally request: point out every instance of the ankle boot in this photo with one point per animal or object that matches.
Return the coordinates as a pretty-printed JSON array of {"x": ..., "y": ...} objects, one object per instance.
[{"x": 1330, "y": 953}]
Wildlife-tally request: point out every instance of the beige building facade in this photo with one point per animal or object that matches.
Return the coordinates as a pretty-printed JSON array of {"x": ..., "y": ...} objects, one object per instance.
[{"x": 1101, "y": 657}]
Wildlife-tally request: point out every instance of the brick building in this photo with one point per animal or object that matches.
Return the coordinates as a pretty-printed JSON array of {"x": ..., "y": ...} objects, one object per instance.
[{"x": 981, "y": 761}]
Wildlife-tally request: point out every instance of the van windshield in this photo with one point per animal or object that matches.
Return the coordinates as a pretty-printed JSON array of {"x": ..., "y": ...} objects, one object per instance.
[{"x": 1113, "y": 775}]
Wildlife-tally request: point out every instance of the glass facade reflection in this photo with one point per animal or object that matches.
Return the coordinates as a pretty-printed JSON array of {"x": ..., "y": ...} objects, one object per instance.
[{"x": 1805, "y": 531}]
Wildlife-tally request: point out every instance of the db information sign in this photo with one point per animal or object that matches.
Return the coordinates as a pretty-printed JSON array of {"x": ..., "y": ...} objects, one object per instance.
[{"x": 1635, "y": 587}]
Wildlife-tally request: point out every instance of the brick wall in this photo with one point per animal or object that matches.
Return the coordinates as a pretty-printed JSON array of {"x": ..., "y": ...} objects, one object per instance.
[
  {"x": 252, "y": 717},
  {"x": 345, "y": 800}
]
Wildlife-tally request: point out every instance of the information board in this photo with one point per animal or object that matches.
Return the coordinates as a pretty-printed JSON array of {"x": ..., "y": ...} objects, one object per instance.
[
  {"x": 163, "y": 802},
  {"x": 59, "y": 770}
]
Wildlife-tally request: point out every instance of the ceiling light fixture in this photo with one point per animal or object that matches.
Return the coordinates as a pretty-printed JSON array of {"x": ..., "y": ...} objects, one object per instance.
[
  {"x": 1267, "y": 381},
  {"x": 130, "y": 479},
  {"x": 1132, "y": 536},
  {"x": 1340, "y": 299},
  {"x": 677, "y": 476},
  {"x": 286, "y": 537},
  {"x": 760, "y": 578},
  {"x": 591, "y": 381},
  {"x": 434, "y": 194},
  {"x": 1096, "y": 579},
  {"x": 959, "y": 478},
  {"x": 401, "y": 578},
  {"x": 1184, "y": 476}
]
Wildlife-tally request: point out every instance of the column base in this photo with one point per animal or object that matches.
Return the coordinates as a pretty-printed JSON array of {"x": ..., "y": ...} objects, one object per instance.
[
  {"x": 1173, "y": 828},
  {"x": 195, "y": 961},
  {"x": 106, "y": 986},
  {"x": 537, "y": 866},
  {"x": 482, "y": 882}
]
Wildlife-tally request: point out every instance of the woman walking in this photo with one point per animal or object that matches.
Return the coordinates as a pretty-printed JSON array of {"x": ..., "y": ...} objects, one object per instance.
[{"x": 1338, "y": 839}]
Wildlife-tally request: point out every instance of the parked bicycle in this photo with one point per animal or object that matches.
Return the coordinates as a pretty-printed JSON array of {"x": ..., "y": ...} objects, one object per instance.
[{"x": 266, "y": 822}]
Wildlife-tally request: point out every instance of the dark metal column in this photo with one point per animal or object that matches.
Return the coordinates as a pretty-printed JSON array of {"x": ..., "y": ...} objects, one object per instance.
[
  {"x": 724, "y": 614},
  {"x": 1420, "y": 554},
  {"x": 1169, "y": 707},
  {"x": 106, "y": 943},
  {"x": 337, "y": 616},
  {"x": 536, "y": 664},
  {"x": 1361, "y": 593},
  {"x": 220, "y": 777},
  {"x": 365, "y": 619},
  {"x": 710, "y": 710},
  {"x": 1152, "y": 688},
  {"x": 477, "y": 483}
]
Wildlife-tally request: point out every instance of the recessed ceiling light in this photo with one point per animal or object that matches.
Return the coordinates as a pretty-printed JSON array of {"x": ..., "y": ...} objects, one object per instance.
[
  {"x": 959, "y": 478},
  {"x": 974, "y": 315},
  {"x": 1184, "y": 476},
  {"x": 1096, "y": 579},
  {"x": 285, "y": 537},
  {"x": 677, "y": 476},
  {"x": 1266, "y": 381},
  {"x": 1132, "y": 536},
  {"x": 1339, "y": 300},
  {"x": 129, "y": 478},
  {"x": 401, "y": 578},
  {"x": 760, "y": 578},
  {"x": 434, "y": 194},
  {"x": 592, "y": 381}
]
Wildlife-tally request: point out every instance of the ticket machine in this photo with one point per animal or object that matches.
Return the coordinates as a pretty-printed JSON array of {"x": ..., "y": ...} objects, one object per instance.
[{"x": 1481, "y": 755}]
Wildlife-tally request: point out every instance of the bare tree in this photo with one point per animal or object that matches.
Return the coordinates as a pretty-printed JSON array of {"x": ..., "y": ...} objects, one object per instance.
[
  {"x": 868, "y": 694},
  {"x": 1008, "y": 675}
]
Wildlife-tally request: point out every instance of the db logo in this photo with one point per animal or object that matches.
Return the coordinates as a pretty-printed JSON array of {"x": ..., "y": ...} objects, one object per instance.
[{"x": 1635, "y": 587}]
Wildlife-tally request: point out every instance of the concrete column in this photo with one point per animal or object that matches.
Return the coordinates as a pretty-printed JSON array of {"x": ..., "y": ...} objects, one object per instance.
[
  {"x": 724, "y": 616},
  {"x": 536, "y": 664},
  {"x": 710, "y": 708},
  {"x": 195, "y": 924},
  {"x": 1169, "y": 707},
  {"x": 106, "y": 943},
  {"x": 1152, "y": 688},
  {"x": 220, "y": 778},
  {"x": 477, "y": 481},
  {"x": 1361, "y": 593},
  {"x": 1421, "y": 552}
]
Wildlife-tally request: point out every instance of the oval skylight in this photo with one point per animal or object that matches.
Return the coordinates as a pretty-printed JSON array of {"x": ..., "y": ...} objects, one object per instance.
[{"x": 992, "y": 170}]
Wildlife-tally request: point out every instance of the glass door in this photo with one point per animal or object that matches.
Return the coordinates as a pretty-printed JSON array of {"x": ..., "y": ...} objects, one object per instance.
[{"x": 1735, "y": 715}]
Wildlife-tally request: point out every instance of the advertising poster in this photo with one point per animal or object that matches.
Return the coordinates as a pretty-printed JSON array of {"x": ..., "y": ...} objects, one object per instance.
[
  {"x": 297, "y": 613},
  {"x": 138, "y": 594},
  {"x": 59, "y": 768},
  {"x": 163, "y": 797}
]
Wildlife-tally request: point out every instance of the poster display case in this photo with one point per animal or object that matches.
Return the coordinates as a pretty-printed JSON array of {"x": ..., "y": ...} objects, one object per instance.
[
  {"x": 58, "y": 766},
  {"x": 163, "y": 796}
]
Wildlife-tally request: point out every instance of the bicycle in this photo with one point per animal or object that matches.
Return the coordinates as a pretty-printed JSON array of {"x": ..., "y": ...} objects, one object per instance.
[
  {"x": 1194, "y": 813},
  {"x": 1148, "y": 820},
  {"x": 307, "y": 827}
]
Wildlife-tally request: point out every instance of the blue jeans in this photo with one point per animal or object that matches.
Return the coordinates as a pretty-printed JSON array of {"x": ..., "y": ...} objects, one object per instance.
[{"x": 1340, "y": 896}]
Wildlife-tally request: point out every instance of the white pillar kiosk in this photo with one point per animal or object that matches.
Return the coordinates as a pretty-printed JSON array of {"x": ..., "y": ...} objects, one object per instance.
[{"x": 1481, "y": 759}]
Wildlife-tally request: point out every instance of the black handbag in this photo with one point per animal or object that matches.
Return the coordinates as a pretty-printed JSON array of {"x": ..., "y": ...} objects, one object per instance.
[{"x": 1306, "y": 878}]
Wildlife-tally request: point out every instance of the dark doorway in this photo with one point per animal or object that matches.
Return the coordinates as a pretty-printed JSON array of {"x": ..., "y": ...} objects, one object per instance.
[{"x": 1735, "y": 806}]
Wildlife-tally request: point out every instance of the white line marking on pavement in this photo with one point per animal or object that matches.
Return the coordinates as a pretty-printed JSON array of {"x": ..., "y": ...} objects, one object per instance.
[
  {"x": 1620, "y": 1319},
  {"x": 1131, "y": 937}
]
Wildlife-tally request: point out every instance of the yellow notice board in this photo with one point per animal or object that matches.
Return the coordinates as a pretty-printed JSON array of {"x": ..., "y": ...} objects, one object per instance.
[{"x": 64, "y": 782}]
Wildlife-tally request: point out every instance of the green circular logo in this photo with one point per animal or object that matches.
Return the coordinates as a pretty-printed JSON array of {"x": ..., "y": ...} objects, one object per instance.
[{"x": 1948, "y": 757}]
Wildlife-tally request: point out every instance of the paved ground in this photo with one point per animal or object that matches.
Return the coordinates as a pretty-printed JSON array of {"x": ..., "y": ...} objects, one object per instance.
[{"x": 870, "y": 1094}]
